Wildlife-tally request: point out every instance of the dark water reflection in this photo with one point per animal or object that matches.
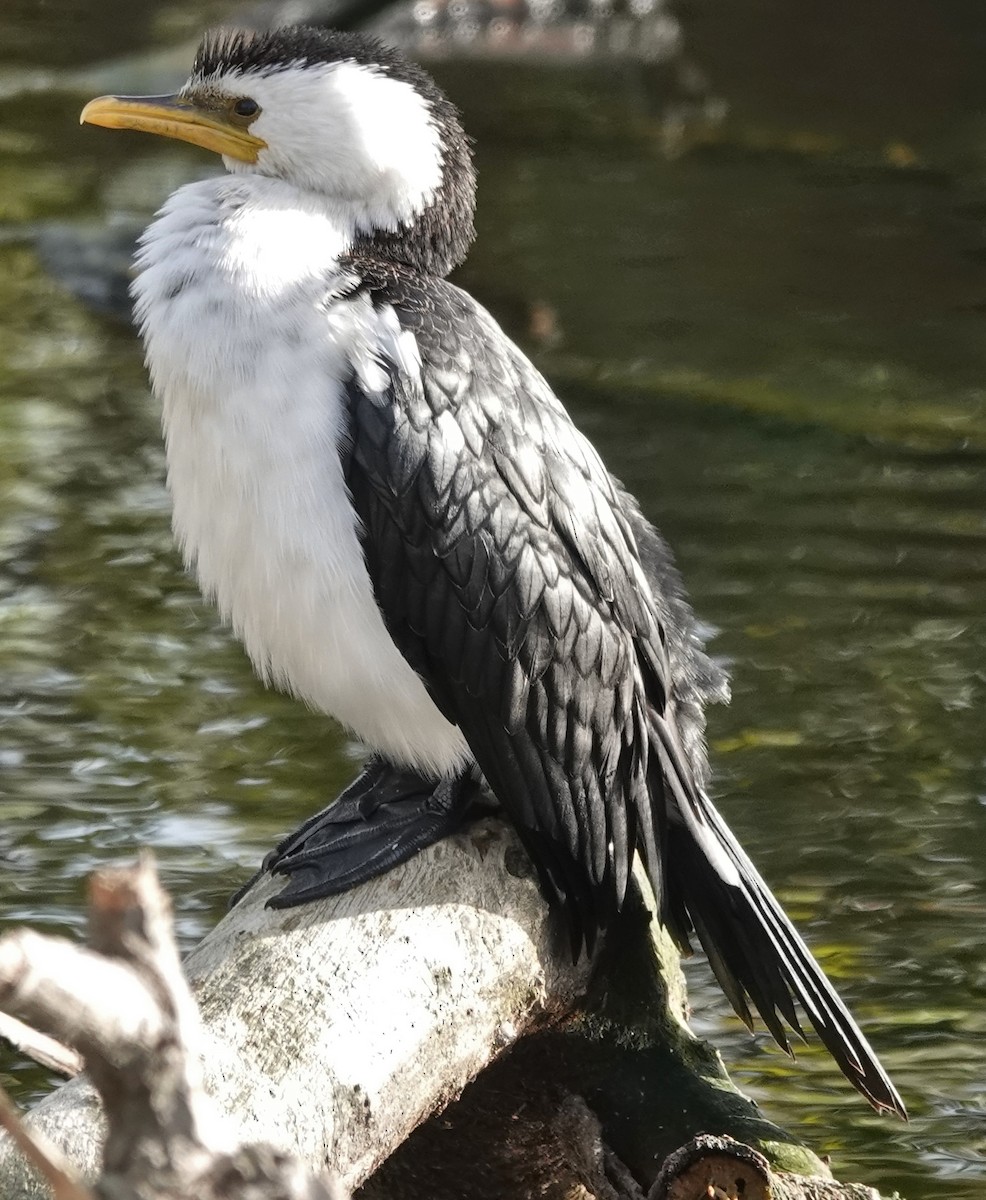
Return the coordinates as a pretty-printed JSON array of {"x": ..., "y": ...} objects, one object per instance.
[{"x": 776, "y": 340}]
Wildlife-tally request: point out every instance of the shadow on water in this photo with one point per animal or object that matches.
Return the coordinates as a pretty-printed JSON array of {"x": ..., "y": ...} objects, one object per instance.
[{"x": 775, "y": 336}]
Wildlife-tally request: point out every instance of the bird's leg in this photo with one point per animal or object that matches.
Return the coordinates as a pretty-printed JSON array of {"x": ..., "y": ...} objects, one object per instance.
[{"x": 386, "y": 815}]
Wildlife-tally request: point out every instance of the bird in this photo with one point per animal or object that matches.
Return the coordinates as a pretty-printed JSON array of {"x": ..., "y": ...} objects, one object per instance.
[{"x": 391, "y": 508}]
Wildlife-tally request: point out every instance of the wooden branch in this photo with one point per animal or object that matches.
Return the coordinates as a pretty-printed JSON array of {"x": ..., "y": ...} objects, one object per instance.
[
  {"x": 126, "y": 1005},
  {"x": 599, "y": 1106},
  {"x": 719, "y": 1168},
  {"x": 47, "y": 1161},
  {"x": 39, "y": 1047},
  {"x": 334, "y": 1029}
]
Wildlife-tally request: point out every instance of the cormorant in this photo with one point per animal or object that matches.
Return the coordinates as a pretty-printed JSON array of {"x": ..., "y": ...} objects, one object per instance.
[{"x": 398, "y": 518}]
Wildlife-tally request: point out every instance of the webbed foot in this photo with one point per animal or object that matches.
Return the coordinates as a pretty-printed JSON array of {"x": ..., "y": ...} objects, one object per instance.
[{"x": 383, "y": 818}]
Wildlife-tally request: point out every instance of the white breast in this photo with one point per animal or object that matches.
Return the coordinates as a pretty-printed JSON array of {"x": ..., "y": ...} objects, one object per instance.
[{"x": 248, "y": 359}]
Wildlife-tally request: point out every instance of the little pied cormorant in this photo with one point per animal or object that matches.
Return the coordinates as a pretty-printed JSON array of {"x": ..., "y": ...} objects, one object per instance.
[{"x": 396, "y": 515}]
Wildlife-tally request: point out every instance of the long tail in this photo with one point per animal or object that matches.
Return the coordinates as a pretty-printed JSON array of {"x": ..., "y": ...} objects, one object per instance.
[{"x": 710, "y": 885}]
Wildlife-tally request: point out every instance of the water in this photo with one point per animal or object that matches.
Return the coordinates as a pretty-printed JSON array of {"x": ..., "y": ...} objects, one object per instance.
[{"x": 776, "y": 339}]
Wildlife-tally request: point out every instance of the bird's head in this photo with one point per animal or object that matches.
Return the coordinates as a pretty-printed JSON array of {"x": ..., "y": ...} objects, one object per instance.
[{"x": 339, "y": 115}]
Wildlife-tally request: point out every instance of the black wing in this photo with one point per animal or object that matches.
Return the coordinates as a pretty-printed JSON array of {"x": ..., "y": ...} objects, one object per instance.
[
  {"x": 507, "y": 567},
  {"x": 546, "y": 619}
]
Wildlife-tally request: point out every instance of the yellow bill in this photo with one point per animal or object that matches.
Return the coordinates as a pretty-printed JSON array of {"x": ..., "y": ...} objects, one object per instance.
[{"x": 174, "y": 117}]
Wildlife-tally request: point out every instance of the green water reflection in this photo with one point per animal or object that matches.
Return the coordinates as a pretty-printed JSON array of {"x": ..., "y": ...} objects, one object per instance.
[{"x": 777, "y": 341}]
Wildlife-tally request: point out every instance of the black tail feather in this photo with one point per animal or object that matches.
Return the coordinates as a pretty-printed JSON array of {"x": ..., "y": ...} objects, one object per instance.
[{"x": 754, "y": 950}]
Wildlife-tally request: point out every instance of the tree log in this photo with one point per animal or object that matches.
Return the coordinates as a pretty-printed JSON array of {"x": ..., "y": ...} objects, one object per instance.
[
  {"x": 125, "y": 1005},
  {"x": 43, "y": 1049},
  {"x": 335, "y": 1030},
  {"x": 719, "y": 1168}
]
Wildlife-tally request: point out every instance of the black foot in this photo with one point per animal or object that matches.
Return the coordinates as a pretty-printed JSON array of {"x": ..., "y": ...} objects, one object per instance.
[{"x": 383, "y": 818}]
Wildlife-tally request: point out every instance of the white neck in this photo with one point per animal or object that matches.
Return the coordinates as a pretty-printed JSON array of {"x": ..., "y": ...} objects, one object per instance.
[
  {"x": 242, "y": 250},
  {"x": 262, "y": 232}
]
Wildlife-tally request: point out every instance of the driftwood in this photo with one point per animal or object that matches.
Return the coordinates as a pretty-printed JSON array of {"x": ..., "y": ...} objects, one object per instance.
[
  {"x": 723, "y": 1169},
  {"x": 125, "y": 1005},
  {"x": 39, "y": 1046},
  {"x": 335, "y": 1031}
]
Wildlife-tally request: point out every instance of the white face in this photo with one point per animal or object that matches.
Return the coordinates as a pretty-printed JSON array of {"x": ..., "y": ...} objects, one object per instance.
[{"x": 346, "y": 131}]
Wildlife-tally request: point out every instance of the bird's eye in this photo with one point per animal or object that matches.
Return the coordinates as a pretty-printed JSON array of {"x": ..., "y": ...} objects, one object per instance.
[{"x": 246, "y": 108}]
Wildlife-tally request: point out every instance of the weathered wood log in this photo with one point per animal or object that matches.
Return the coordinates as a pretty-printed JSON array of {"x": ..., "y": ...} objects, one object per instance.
[
  {"x": 719, "y": 1168},
  {"x": 125, "y": 1005},
  {"x": 336, "y": 1029},
  {"x": 597, "y": 1106},
  {"x": 43, "y": 1049},
  {"x": 50, "y": 1166}
]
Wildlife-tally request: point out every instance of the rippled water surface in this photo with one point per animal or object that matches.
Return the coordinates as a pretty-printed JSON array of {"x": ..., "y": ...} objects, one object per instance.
[{"x": 774, "y": 334}]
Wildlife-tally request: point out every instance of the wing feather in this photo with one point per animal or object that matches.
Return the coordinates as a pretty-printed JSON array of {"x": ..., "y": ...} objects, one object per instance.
[
  {"x": 500, "y": 558},
  {"x": 547, "y": 621}
]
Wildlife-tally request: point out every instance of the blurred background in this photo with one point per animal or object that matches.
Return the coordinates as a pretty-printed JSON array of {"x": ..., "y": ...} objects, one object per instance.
[{"x": 746, "y": 241}]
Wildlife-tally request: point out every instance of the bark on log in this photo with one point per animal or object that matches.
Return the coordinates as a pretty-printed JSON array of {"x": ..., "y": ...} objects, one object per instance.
[{"x": 335, "y": 1029}]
